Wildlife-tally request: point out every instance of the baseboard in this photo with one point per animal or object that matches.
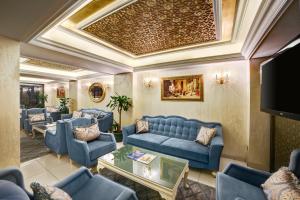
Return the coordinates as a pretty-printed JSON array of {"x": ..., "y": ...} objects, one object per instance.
[{"x": 234, "y": 157}]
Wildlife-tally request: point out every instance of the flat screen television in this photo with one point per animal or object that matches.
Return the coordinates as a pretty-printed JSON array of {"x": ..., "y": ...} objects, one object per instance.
[{"x": 280, "y": 84}]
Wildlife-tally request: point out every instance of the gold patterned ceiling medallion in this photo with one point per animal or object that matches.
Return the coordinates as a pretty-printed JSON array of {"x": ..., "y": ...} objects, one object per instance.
[{"x": 148, "y": 26}]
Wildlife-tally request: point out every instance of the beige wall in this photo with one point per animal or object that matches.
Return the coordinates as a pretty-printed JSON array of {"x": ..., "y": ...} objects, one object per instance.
[
  {"x": 50, "y": 90},
  {"x": 123, "y": 85},
  {"x": 84, "y": 100},
  {"x": 73, "y": 95},
  {"x": 9, "y": 103},
  {"x": 228, "y": 104},
  {"x": 259, "y": 139}
]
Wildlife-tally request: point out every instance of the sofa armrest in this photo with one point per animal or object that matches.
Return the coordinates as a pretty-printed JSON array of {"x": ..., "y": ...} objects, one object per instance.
[
  {"x": 251, "y": 176},
  {"x": 75, "y": 181},
  {"x": 107, "y": 137},
  {"x": 49, "y": 120},
  {"x": 215, "y": 151},
  {"x": 105, "y": 123},
  {"x": 66, "y": 116},
  {"x": 14, "y": 175},
  {"x": 126, "y": 131}
]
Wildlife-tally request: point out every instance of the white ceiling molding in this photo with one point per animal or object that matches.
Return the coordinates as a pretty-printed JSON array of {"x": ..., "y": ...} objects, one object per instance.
[
  {"x": 269, "y": 12},
  {"x": 218, "y": 18}
]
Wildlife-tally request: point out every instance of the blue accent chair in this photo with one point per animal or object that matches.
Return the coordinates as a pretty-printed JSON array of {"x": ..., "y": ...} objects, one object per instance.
[
  {"x": 54, "y": 115},
  {"x": 80, "y": 185},
  {"x": 243, "y": 183},
  {"x": 55, "y": 140},
  {"x": 87, "y": 153},
  {"x": 28, "y": 124},
  {"x": 105, "y": 119},
  {"x": 175, "y": 135}
]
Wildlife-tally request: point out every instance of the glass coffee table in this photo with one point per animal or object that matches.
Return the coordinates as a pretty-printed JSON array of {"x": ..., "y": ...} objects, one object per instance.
[
  {"x": 162, "y": 174},
  {"x": 41, "y": 128}
]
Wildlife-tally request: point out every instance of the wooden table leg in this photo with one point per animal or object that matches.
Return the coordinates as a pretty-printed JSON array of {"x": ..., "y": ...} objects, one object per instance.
[{"x": 185, "y": 179}]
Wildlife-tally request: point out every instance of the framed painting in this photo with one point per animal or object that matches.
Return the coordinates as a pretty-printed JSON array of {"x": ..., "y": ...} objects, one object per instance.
[
  {"x": 60, "y": 92},
  {"x": 182, "y": 88}
]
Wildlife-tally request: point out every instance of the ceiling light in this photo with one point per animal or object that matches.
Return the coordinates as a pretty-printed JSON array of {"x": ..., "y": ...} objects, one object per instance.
[{"x": 35, "y": 80}]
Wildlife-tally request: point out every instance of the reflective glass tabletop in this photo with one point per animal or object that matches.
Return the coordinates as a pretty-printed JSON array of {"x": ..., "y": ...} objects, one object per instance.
[{"x": 164, "y": 170}]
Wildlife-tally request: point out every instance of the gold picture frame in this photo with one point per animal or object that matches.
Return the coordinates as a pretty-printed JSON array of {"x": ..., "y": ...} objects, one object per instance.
[
  {"x": 183, "y": 88},
  {"x": 97, "y": 92}
]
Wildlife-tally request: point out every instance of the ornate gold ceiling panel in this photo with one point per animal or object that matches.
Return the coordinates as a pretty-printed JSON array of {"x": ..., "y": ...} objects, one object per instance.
[
  {"x": 50, "y": 65},
  {"x": 148, "y": 26}
]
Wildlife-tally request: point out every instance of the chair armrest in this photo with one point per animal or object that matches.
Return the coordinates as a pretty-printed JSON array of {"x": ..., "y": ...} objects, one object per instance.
[
  {"x": 75, "y": 181},
  {"x": 66, "y": 116},
  {"x": 107, "y": 137},
  {"x": 105, "y": 123},
  {"x": 14, "y": 175},
  {"x": 251, "y": 176},
  {"x": 49, "y": 120},
  {"x": 126, "y": 131},
  {"x": 215, "y": 151}
]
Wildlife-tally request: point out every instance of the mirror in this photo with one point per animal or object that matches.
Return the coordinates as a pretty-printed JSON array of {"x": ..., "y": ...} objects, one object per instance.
[{"x": 97, "y": 92}]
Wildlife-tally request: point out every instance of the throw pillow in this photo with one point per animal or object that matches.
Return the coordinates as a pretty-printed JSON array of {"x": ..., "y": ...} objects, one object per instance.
[
  {"x": 142, "y": 126},
  {"x": 205, "y": 135},
  {"x": 88, "y": 115},
  {"x": 282, "y": 185},
  {"x": 87, "y": 133},
  {"x": 76, "y": 114},
  {"x": 36, "y": 117},
  {"x": 48, "y": 192}
]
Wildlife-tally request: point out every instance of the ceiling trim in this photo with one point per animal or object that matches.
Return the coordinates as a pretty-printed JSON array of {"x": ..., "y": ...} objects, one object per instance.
[
  {"x": 218, "y": 18},
  {"x": 51, "y": 20},
  {"x": 56, "y": 46},
  {"x": 191, "y": 63},
  {"x": 269, "y": 13}
]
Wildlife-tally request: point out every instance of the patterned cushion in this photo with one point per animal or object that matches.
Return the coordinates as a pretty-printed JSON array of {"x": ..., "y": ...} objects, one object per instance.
[
  {"x": 76, "y": 114},
  {"x": 142, "y": 126},
  {"x": 205, "y": 135},
  {"x": 282, "y": 185},
  {"x": 36, "y": 117},
  {"x": 87, "y": 133},
  {"x": 48, "y": 192},
  {"x": 88, "y": 115}
]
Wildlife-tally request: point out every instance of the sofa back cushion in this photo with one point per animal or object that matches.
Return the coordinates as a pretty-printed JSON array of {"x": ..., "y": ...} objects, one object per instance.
[
  {"x": 96, "y": 113},
  {"x": 9, "y": 190},
  {"x": 178, "y": 127}
]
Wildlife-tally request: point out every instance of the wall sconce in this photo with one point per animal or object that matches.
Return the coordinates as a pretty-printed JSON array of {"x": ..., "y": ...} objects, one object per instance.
[
  {"x": 148, "y": 82},
  {"x": 222, "y": 78}
]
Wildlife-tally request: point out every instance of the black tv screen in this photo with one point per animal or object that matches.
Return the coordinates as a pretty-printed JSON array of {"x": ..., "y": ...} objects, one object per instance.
[{"x": 280, "y": 84}]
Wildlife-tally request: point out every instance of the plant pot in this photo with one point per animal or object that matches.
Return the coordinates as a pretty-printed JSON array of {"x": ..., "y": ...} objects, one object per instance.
[{"x": 118, "y": 136}]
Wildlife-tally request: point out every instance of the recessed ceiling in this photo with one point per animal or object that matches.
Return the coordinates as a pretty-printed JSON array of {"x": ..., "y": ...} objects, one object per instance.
[{"x": 147, "y": 26}]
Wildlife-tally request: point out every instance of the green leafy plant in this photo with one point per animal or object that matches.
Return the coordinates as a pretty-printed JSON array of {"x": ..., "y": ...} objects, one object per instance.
[
  {"x": 64, "y": 105},
  {"x": 41, "y": 99},
  {"x": 121, "y": 103}
]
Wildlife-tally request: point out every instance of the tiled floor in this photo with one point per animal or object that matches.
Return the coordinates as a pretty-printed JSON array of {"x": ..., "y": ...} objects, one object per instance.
[{"x": 49, "y": 169}]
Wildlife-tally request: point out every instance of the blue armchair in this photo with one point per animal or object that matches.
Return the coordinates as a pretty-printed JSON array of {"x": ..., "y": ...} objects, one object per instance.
[
  {"x": 105, "y": 119},
  {"x": 80, "y": 185},
  {"x": 243, "y": 183},
  {"x": 55, "y": 140},
  {"x": 87, "y": 153},
  {"x": 28, "y": 124}
]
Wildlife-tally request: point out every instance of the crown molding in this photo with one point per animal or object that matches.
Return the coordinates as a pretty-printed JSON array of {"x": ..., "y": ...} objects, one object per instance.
[
  {"x": 66, "y": 49},
  {"x": 269, "y": 13},
  {"x": 191, "y": 63}
]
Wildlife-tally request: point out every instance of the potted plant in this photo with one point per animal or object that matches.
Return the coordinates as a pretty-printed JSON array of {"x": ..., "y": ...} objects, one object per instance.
[
  {"x": 41, "y": 99},
  {"x": 121, "y": 103},
  {"x": 64, "y": 105}
]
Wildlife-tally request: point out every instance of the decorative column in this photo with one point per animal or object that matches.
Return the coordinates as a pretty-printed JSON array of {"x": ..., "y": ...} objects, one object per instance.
[
  {"x": 73, "y": 91},
  {"x": 9, "y": 103}
]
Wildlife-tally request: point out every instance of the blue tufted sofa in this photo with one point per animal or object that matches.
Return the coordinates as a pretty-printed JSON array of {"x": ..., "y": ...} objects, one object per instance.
[
  {"x": 105, "y": 119},
  {"x": 80, "y": 185},
  {"x": 243, "y": 183},
  {"x": 175, "y": 135}
]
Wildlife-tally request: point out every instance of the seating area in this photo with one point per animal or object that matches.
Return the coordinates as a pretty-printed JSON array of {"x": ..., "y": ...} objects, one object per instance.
[{"x": 149, "y": 100}]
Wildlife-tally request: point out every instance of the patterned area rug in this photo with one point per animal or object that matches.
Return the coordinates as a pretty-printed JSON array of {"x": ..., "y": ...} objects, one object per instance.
[
  {"x": 32, "y": 148},
  {"x": 196, "y": 191}
]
